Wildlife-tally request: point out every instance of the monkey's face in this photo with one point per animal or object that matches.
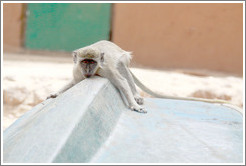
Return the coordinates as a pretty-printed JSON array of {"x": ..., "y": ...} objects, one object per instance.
[
  {"x": 89, "y": 67},
  {"x": 88, "y": 60}
]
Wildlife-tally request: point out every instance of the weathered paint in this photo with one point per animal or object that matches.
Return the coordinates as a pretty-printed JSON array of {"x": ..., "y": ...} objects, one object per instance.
[
  {"x": 65, "y": 26},
  {"x": 95, "y": 126}
]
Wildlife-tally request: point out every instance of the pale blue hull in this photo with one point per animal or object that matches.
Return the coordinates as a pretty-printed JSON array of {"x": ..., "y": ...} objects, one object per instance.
[{"x": 90, "y": 123}]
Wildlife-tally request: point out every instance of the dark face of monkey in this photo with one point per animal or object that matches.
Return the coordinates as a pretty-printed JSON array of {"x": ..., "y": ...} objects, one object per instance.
[
  {"x": 89, "y": 60},
  {"x": 89, "y": 67}
]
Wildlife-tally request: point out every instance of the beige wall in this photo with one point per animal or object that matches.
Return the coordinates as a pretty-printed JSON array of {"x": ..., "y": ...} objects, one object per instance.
[
  {"x": 193, "y": 36},
  {"x": 12, "y": 26}
]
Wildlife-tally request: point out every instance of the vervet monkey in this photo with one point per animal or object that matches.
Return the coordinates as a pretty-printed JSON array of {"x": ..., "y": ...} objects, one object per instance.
[{"x": 107, "y": 60}]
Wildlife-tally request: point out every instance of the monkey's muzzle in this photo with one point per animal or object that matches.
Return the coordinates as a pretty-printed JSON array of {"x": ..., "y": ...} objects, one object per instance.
[{"x": 88, "y": 75}]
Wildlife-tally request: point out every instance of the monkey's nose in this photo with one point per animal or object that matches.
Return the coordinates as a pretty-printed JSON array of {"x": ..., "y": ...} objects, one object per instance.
[{"x": 87, "y": 75}]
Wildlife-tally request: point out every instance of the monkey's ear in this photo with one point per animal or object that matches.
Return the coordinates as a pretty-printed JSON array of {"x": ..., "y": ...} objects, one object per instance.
[
  {"x": 102, "y": 57},
  {"x": 75, "y": 56}
]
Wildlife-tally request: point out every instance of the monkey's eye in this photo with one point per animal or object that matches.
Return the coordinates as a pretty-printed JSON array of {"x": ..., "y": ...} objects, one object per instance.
[{"x": 88, "y": 61}]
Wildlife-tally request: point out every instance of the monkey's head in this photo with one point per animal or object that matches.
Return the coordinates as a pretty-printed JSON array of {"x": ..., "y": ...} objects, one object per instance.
[{"x": 88, "y": 60}]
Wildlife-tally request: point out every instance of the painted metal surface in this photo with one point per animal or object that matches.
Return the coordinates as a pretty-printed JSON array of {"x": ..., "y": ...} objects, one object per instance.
[
  {"x": 176, "y": 132},
  {"x": 66, "y": 26},
  {"x": 95, "y": 126}
]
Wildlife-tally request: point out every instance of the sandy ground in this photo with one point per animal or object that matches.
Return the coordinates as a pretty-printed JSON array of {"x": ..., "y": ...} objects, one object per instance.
[{"x": 28, "y": 79}]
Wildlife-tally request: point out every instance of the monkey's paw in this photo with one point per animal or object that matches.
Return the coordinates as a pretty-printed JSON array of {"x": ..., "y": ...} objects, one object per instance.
[
  {"x": 139, "y": 100},
  {"x": 139, "y": 109},
  {"x": 54, "y": 95}
]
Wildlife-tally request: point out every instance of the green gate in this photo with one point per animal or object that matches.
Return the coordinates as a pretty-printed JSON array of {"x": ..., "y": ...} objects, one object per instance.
[{"x": 66, "y": 26}]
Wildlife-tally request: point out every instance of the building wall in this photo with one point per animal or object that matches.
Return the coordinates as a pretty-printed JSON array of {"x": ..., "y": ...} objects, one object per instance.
[
  {"x": 199, "y": 36},
  {"x": 193, "y": 36},
  {"x": 13, "y": 19}
]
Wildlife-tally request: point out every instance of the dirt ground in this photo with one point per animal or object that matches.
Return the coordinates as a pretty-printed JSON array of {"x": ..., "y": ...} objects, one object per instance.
[{"x": 28, "y": 79}]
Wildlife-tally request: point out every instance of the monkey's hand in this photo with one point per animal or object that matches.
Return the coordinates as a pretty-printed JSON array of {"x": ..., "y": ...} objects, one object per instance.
[
  {"x": 139, "y": 109},
  {"x": 53, "y": 95}
]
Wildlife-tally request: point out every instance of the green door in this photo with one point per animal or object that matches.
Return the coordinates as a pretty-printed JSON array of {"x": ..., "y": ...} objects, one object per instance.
[{"x": 66, "y": 26}]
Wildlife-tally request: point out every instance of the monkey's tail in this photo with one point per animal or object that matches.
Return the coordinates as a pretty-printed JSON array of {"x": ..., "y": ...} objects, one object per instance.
[{"x": 154, "y": 94}]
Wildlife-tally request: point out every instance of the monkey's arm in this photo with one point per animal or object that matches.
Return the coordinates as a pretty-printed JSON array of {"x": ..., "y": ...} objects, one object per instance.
[
  {"x": 125, "y": 72},
  {"x": 66, "y": 87}
]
